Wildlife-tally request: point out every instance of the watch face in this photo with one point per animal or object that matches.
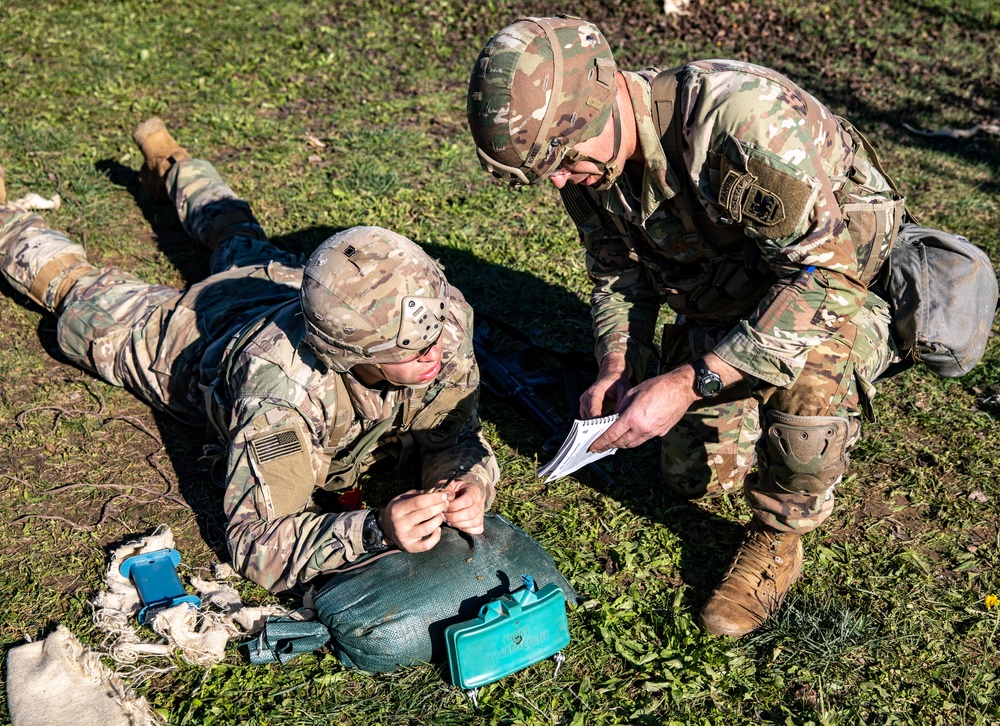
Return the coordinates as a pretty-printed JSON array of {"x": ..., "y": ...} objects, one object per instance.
[{"x": 710, "y": 385}]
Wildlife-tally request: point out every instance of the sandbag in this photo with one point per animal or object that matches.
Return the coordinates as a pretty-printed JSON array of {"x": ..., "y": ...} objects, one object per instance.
[
  {"x": 393, "y": 611},
  {"x": 943, "y": 291}
]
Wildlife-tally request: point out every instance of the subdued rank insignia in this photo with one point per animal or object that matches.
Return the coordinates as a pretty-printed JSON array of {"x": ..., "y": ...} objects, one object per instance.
[{"x": 276, "y": 445}]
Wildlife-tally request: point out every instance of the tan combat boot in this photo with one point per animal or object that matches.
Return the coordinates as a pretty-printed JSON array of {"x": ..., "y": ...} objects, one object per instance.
[
  {"x": 764, "y": 569},
  {"x": 161, "y": 152}
]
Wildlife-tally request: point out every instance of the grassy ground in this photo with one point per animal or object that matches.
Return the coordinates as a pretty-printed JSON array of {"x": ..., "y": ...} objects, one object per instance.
[{"x": 327, "y": 115}]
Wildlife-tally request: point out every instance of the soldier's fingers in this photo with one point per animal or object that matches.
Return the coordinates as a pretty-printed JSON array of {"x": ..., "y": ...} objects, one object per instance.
[
  {"x": 614, "y": 436},
  {"x": 422, "y": 504},
  {"x": 465, "y": 515},
  {"x": 459, "y": 509},
  {"x": 471, "y": 522},
  {"x": 592, "y": 401},
  {"x": 419, "y": 530},
  {"x": 468, "y": 495},
  {"x": 422, "y": 544},
  {"x": 426, "y": 543}
]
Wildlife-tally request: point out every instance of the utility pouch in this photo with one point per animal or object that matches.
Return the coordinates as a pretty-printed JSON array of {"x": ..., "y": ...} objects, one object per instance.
[
  {"x": 943, "y": 292},
  {"x": 873, "y": 222}
]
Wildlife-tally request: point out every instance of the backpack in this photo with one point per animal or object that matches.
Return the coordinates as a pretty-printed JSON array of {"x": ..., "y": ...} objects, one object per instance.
[{"x": 943, "y": 292}]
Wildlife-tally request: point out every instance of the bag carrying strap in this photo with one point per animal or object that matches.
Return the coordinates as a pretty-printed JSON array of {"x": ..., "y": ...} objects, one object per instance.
[
  {"x": 345, "y": 412},
  {"x": 861, "y": 140},
  {"x": 663, "y": 92},
  {"x": 352, "y": 461},
  {"x": 282, "y": 639}
]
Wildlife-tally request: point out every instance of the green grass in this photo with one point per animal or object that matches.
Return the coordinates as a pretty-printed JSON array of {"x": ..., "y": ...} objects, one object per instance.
[{"x": 332, "y": 115}]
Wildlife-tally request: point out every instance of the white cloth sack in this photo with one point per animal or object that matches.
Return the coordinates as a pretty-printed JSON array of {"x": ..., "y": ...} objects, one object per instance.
[{"x": 59, "y": 682}]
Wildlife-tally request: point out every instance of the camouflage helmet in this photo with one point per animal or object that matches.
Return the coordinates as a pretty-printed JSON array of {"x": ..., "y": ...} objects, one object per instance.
[
  {"x": 540, "y": 87},
  {"x": 371, "y": 296}
]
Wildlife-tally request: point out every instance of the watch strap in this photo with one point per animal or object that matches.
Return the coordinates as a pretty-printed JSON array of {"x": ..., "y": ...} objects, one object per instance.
[{"x": 372, "y": 537}]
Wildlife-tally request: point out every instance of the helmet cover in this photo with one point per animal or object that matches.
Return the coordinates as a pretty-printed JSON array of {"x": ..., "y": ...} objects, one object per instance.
[
  {"x": 539, "y": 87},
  {"x": 372, "y": 296}
]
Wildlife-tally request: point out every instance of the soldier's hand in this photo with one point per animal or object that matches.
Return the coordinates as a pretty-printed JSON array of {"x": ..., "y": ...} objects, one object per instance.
[
  {"x": 466, "y": 510},
  {"x": 608, "y": 391},
  {"x": 650, "y": 409},
  {"x": 412, "y": 521}
]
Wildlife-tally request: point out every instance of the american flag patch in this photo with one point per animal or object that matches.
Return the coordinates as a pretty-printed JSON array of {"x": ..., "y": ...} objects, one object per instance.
[{"x": 276, "y": 445}]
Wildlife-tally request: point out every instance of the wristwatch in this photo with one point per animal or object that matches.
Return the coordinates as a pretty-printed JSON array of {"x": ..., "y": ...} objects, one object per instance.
[
  {"x": 706, "y": 383},
  {"x": 371, "y": 534}
]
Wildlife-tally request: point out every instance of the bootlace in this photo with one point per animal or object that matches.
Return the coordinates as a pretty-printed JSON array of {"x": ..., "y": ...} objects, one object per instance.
[{"x": 757, "y": 558}]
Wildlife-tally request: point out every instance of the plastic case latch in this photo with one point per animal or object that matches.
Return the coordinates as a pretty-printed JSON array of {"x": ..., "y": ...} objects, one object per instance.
[
  {"x": 511, "y": 633},
  {"x": 154, "y": 575}
]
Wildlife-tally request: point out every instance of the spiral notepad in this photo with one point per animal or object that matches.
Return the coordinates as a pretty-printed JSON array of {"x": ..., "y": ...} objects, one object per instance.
[{"x": 574, "y": 453}]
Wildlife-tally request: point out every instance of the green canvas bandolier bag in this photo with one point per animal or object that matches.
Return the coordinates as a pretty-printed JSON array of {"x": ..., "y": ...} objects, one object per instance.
[{"x": 391, "y": 609}]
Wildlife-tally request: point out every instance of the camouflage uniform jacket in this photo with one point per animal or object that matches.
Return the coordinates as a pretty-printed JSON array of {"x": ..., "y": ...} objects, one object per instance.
[
  {"x": 279, "y": 408},
  {"x": 767, "y": 168}
]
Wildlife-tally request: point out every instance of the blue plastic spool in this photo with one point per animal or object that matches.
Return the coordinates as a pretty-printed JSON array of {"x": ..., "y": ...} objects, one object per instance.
[
  {"x": 510, "y": 634},
  {"x": 154, "y": 575}
]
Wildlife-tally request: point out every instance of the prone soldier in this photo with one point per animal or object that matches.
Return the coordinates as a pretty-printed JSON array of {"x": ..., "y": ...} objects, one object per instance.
[
  {"x": 308, "y": 372},
  {"x": 727, "y": 193}
]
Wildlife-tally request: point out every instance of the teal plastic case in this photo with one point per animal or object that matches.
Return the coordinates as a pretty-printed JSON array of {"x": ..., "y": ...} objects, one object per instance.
[
  {"x": 154, "y": 575},
  {"x": 511, "y": 633}
]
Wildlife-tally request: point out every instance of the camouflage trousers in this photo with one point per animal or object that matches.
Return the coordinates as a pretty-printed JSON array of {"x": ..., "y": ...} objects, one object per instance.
[
  {"x": 155, "y": 340},
  {"x": 716, "y": 444}
]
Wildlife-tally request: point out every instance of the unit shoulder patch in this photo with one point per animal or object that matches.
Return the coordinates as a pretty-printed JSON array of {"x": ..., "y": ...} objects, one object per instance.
[{"x": 762, "y": 192}]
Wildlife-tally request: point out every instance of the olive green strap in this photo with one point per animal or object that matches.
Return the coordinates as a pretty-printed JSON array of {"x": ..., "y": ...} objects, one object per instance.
[
  {"x": 663, "y": 93},
  {"x": 362, "y": 447}
]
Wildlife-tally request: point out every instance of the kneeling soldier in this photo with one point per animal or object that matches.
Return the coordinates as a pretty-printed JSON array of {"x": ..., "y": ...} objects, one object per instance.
[{"x": 727, "y": 193}]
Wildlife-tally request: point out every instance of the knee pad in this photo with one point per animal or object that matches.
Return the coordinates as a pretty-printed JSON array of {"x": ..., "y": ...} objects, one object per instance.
[{"x": 806, "y": 454}]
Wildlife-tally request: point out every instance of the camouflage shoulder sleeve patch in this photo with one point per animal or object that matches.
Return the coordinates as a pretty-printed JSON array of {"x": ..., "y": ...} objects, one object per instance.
[
  {"x": 760, "y": 190},
  {"x": 280, "y": 458}
]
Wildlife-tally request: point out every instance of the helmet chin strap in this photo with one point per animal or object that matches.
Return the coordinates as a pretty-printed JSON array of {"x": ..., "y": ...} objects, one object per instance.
[{"x": 610, "y": 171}]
